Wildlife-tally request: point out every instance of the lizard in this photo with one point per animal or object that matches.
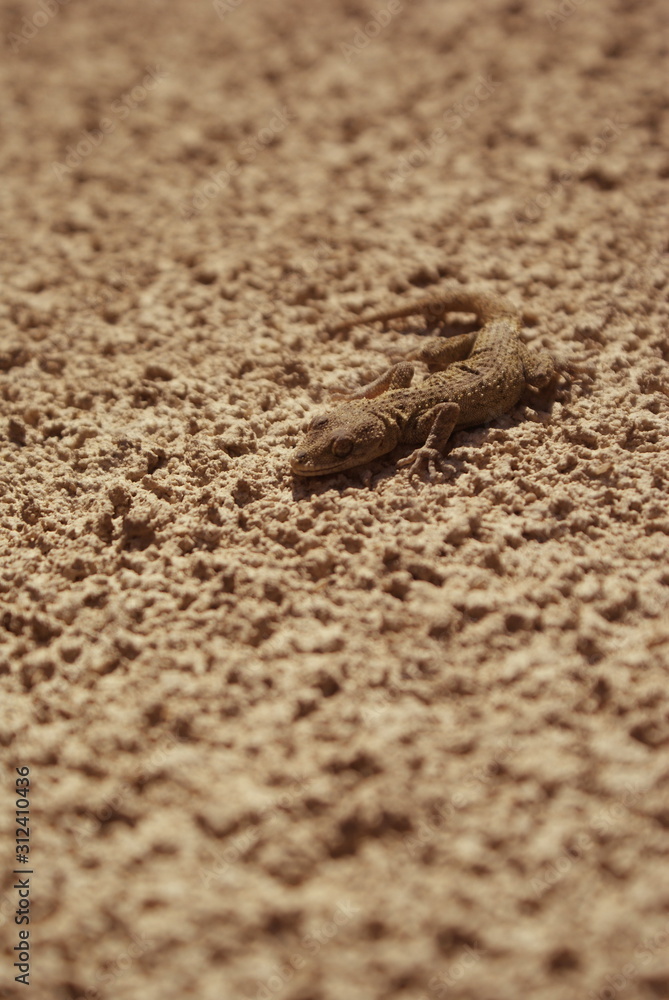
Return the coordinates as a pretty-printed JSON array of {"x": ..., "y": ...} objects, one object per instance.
[{"x": 475, "y": 378}]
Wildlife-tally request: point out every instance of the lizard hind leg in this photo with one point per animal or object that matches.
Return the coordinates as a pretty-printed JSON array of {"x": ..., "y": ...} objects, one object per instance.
[
  {"x": 398, "y": 376},
  {"x": 540, "y": 374},
  {"x": 539, "y": 368},
  {"x": 441, "y": 421},
  {"x": 439, "y": 352}
]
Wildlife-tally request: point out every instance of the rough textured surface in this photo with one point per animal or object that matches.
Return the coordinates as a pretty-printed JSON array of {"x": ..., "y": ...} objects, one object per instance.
[{"x": 412, "y": 739}]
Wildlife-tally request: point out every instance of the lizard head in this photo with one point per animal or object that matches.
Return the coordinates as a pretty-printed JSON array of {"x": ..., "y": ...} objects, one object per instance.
[{"x": 349, "y": 435}]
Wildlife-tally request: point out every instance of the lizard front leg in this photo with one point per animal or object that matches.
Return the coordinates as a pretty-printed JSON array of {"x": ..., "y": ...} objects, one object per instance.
[
  {"x": 441, "y": 421},
  {"x": 399, "y": 376}
]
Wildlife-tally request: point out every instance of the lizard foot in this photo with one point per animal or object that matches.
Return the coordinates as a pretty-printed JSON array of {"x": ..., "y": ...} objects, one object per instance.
[
  {"x": 423, "y": 462},
  {"x": 438, "y": 423}
]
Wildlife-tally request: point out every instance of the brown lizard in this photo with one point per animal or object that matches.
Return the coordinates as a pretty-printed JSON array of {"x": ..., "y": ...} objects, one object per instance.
[{"x": 476, "y": 377}]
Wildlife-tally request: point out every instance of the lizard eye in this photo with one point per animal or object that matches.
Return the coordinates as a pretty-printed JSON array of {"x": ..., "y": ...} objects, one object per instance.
[
  {"x": 341, "y": 446},
  {"x": 318, "y": 422}
]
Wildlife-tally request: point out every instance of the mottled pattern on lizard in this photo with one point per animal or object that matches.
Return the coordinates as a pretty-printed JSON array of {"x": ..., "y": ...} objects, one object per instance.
[{"x": 477, "y": 377}]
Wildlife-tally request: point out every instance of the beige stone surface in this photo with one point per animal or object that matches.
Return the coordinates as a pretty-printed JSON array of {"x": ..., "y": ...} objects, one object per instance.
[{"x": 359, "y": 737}]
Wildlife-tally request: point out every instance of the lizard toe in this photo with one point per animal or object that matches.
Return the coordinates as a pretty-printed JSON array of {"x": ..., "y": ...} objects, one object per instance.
[{"x": 422, "y": 462}]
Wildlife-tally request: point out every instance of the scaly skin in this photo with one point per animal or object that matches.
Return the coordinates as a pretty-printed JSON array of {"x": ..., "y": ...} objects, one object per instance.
[{"x": 478, "y": 376}]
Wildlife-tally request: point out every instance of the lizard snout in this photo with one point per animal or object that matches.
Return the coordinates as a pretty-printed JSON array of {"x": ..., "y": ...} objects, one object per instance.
[{"x": 300, "y": 462}]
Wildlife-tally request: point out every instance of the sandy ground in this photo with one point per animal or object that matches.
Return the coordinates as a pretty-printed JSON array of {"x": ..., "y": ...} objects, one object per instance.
[{"x": 363, "y": 736}]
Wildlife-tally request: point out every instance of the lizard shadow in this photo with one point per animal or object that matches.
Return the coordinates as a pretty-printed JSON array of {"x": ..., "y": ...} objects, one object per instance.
[{"x": 362, "y": 478}]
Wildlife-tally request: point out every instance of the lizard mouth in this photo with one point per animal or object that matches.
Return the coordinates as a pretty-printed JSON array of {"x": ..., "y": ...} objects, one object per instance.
[{"x": 300, "y": 466}]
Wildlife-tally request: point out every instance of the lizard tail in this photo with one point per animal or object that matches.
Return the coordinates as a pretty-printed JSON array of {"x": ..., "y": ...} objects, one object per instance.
[{"x": 458, "y": 298}]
